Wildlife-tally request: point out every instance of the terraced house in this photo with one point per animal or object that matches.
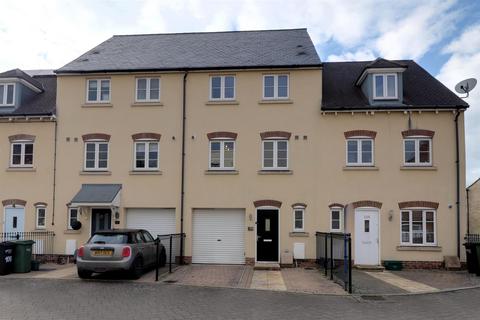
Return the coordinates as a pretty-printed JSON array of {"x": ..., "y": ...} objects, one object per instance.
[{"x": 249, "y": 144}]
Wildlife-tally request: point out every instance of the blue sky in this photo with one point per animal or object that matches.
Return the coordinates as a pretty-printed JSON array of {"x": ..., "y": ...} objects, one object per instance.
[{"x": 443, "y": 36}]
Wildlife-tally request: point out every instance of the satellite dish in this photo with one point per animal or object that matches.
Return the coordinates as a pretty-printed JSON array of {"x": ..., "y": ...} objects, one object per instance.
[{"x": 466, "y": 86}]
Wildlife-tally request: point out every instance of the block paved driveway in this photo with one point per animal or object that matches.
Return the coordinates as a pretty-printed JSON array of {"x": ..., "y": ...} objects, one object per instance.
[{"x": 73, "y": 299}]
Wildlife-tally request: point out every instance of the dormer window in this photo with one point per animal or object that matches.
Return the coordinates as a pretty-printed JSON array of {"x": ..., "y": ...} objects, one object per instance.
[
  {"x": 7, "y": 94},
  {"x": 385, "y": 86}
]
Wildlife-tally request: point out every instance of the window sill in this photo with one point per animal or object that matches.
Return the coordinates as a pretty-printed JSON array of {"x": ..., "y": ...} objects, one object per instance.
[
  {"x": 221, "y": 172},
  {"x": 360, "y": 168},
  {"x": 422, "y": 168},
  {"x": 95, "y": 173},
  {"x": 40, "y": 230},
  {"x": 221, "y": 102},
  {"x": 97, "y": 105},
  {"x": 280, "y": 172},
  {"x": 275, "y": 101},
  {"x": 21, "y": 169},
  {"x": 72, "y": 232},
  {"x": 145, "y": 172},
  {"x": 299, "y": 234},
  {"x": 147, "y": 104},
  {"x": 419, "y": 248}
]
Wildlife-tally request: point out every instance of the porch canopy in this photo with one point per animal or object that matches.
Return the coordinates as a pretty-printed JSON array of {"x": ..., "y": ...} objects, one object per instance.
[{"x": 97, "y": 195}]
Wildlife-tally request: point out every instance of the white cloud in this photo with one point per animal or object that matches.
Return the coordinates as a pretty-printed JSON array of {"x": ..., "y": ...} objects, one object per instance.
[
  {"x": 359, "y": 55},
  {"x": 463, "y": 63}
]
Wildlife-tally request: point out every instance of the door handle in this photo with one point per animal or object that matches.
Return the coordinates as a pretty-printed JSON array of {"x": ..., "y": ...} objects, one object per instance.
[
  {"x": 219, "y": 239},
  {"x": 267, "y": 240}
]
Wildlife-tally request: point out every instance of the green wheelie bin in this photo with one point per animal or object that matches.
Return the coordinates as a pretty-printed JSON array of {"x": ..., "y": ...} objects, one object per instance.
[{"x": 22, "y": 261}]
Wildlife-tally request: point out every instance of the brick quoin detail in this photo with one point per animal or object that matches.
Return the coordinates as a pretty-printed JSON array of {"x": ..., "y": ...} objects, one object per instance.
[
  {"x": 275, "y": 134},
  {"x": 418, "y": 132},
  {"x": 267, "y": 203},
  {"x": 336, "y": 205},
  {"x": 418, "y": 204},
  {"x": 360, "y": 133},
  {"x": 96, "y": 136},
  {"x": 367, "y": 203},
  {"x": 17, "y": 137},
  {"x": 146, "y": 135},
  {"x": 14, "y": 202},
  {"x": 221, "y": 134},
  {"x": 299, "y": 204}
]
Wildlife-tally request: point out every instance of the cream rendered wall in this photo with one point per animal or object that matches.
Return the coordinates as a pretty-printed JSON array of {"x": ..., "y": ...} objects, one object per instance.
[
  {"x": 474, "y": 201},
  {"x": 317, "y": 162},
  {"x": 32, "y": 185},
  {"x": 120, "y": 119}
]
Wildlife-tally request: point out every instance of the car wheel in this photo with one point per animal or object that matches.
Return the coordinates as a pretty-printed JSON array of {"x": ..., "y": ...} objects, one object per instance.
[
  {"x": 163, "y": 258},
  {"x": 84, "y": 274},
  {"x": 136, "y": 269}
]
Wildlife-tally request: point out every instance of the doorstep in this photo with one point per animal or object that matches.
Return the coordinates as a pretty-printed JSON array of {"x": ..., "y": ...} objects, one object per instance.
[
  {"x": 370, "y": 268},
  {"x": 266, "y": 266}
]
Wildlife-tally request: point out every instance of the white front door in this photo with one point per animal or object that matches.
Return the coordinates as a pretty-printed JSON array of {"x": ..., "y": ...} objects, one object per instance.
[
  {"x": 366, "y": 237},
  {"x": 14, "y": 219}
]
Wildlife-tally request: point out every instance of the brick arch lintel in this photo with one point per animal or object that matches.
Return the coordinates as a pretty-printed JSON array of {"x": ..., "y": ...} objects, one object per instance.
[
  {"x": 360, "y": 133},
  {"x": 146, "y": 135},
  {"x": 222, "y": 134},
  {"x": 14, "y": 202},
  {"x": 17, "y": 137},
  {"x": 267, "y": 203},
  {"x": 275, "y": 134},
  {"x": 418, "y": 132},
  {"x": 96, "y": 136},
  {"x": 367, "y": 203},
  {"x": 40, "y": 204},
  {"x": 418, "y": 204},
  {"x": 336, "y": 205}
]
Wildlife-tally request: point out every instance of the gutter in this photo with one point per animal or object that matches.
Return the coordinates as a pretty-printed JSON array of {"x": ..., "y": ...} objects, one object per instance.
[
  {"x": 182, "y": 184},
  {"x": 457, "y": 165},
  {"x": 54, "y": 171}
]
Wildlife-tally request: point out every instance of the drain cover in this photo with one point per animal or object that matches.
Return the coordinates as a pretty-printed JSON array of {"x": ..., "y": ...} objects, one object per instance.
[
  {"x": 373, "y": 298},
  {"x": 170, "y": 281}
]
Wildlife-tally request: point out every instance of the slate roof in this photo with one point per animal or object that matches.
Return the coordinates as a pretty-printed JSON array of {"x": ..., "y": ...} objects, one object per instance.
[
  {"x": 97, "y": 193},
  {"x": 39, "y": 104},
  {"x": 17, "y": 73},
  {"x": 420, "y": 89},
  {"x": 199, "y": 51}
]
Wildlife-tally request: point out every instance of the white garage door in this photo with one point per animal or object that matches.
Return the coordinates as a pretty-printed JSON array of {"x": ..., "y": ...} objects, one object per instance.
[
  {"x": 156, "y": 221},
  {"x": 218, "y": 236}
]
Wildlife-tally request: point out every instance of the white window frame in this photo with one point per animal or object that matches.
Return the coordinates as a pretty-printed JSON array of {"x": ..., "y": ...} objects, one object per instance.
[
  {"x": 97, "y": 152},
  {"x": 69, "y": 220},
  {"x": 147, "y": 95},
  {"x": 340, "y": 217},
  {"x": 424, "y": 227},
  {"x": 99, "y": 91},
  {"x": 5, "y": 90},
  {"x": 302, "y": 209},
  {"x": 359, "y": 162},
  {"x": 417, "y": 162},
  {"x": 37, "y": 212},
  {"x": 222, "y": 87},
  {"x": 22, "y": 154},
  {"x": 222, "y": 154},
  {"x": 275, "y": 87},
  {"x": 147, "y": 143},
  {"x": 275, "y": 154},
  {"x": 385, "y": 89}
]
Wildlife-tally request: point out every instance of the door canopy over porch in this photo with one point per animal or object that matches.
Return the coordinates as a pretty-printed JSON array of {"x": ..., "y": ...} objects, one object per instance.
[{"x": 97, "y": 195}]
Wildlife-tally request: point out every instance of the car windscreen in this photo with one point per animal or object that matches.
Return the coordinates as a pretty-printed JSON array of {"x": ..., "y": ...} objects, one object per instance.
[{"x": 109, "y": 239}]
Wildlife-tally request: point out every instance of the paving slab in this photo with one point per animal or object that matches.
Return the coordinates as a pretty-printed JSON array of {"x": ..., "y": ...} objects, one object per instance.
[
  {"x": 310, "y": 281},
  {"x": 402, "y": 283},
  {"x": 364, "y": 283},
  {"x": 441, "y": 279},
  {"x": 268, "y": 280}
]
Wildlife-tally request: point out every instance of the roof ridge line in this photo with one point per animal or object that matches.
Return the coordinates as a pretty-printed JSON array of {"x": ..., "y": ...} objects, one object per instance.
[{"x": 205, "y": 32}]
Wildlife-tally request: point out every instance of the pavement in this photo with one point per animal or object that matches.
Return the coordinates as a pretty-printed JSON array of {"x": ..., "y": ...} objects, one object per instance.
[{"x": 73, "y": 299}]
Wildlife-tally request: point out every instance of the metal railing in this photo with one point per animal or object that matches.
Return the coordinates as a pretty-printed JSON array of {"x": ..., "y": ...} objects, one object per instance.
[
  {"x": 43, "y": 240},
  {"x": 334, "y": 254},
  {"x": 472, "y": 238},
  {"x": 172, "y": 244}
]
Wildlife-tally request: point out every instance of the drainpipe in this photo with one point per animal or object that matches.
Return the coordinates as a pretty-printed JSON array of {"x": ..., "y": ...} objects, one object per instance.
[
  {"x": 468, "y": 212},
  {"x": 457, "y": 164},
  {"x": 182, "y": 184},
  {"x": 54, "y": 171}
]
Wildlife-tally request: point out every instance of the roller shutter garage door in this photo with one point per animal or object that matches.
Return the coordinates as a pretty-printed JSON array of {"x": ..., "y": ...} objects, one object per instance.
[
  {"x": 156, "y": 221},
  {"x": 218, "y": 236}
]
